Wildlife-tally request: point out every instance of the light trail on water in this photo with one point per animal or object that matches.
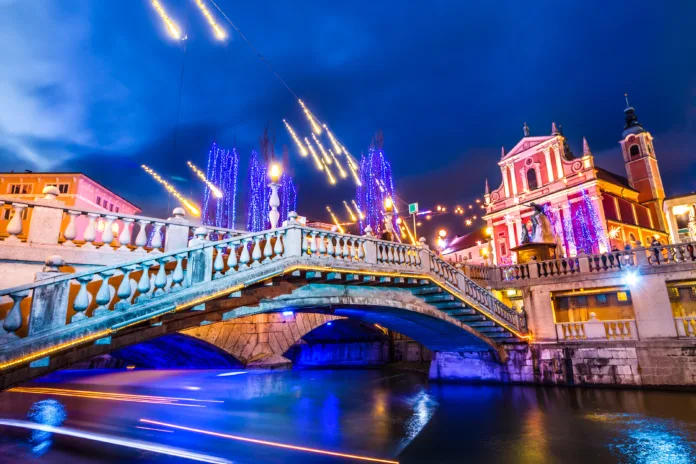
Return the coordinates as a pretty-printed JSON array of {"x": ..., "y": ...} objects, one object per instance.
[
  {"x": 270, "y": 443},
  {"x": 171, "y": 401}
]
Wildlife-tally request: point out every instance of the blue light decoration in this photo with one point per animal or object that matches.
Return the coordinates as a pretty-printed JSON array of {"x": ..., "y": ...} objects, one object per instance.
[
  {"x": 587, "y": 228},
  {"x": 376, "y": 186},
  {"x": 260, "y": 194},
  {"x": 45, "y": 412},
  {"x": 222, "y": 172}
]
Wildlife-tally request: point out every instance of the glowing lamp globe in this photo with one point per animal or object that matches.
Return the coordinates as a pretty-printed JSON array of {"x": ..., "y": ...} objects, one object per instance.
[
  {"x": 442, "y": 233},
  {"x": 275, "y": 172},
  {"x": 388, "y": 205}
]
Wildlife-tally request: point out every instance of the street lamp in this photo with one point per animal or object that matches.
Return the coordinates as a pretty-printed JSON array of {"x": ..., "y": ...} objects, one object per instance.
[
  {"x": 389, "y": 216},
  {"x": 274, "y": 201},
  {"x": 441, "y": 244}
]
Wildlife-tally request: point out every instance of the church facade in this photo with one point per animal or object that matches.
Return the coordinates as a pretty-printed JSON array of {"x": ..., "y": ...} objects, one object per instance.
[{"x": 591, "y": 210}]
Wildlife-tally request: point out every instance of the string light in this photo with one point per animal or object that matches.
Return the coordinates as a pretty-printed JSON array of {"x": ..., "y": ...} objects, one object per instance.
[
  {"x": 317, "y": 160},
  {"x": 209, "y": 17},
  {"x": 350, "y": 211},
  {"x": 310, "y": 117},
  {"x": 335, "y": 220},
  {"x": 338, "y": 165},
  {"x": 327, "y": 159},
  {"x": 303, "y": 150},
  {"x": 330, "y": 176},
  {"x": 188, "y": 204},
  {"x": 334, "y": 142},
  {"x": 408, "y": 231},
  {"x": 171, "y": 26},
  {"x": 216, "y": 191},
  {"x": 354, "y": 173},
  {"x": 360, "y": 214},
  {"x": 614, "y": 232},
  {"x": 376, "y": 186},
  {"x": 351, "y": 159},
  {"x": 222, "y": 171}
]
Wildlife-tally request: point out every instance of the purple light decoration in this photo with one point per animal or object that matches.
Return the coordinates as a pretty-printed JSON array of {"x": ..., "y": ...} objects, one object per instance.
[
  {"x": 376, "y": 186},
  {"x": 260, "y": 194},
  {"x": 222, "y": 171},
  {"x": 587, "y": 229}
]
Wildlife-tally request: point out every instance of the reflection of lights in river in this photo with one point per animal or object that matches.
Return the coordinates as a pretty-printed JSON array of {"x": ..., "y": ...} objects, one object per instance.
[
  {"x": 227, "y": 374},
  {"x": 424, "y": 407},
  {"x": 136, "y": 444},
  {"x": 113, "y": 396},
  {"x": 647, "y": 439},
  {"x": 46, "y": 412},
  {"x": 270, "y": 443}
]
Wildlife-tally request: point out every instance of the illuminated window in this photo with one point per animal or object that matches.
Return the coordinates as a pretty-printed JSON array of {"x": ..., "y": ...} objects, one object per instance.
[
  {"x": 622, "y": 296},
  {"x": 601, "y": 299}
]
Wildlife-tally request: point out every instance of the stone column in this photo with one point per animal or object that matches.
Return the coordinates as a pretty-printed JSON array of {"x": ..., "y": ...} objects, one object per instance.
[
  {"x": 200, "y": 262},
  {"x": 176, "y": 237},
  {"x": 293, "y": 237},
  {"x": 46, "y": 221},
  {"x": 49, "y": 303},
  {"x": 540, "y": 318},
  {"x": 651, "y": 307}
]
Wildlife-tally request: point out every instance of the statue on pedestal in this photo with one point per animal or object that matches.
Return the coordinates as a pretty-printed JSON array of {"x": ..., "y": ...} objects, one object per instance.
[
  {"x": 541, "y": 226},
  {"x": 692, "y": 223}
]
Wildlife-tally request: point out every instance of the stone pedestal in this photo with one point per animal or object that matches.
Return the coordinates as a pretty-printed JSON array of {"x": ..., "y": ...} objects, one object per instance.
[{"x": 531, "y": 252}]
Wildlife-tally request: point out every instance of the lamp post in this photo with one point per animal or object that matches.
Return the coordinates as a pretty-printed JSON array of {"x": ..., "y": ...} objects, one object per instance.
[
  {"x": 489, "y": 253},
  {"x": 388, "y": 217},
  {"x": 441, "y": 244},
  {"x": 274, "y": 201}
]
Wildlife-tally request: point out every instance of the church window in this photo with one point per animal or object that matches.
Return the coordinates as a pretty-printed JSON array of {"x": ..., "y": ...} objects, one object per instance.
[
  {"x": 532, "y": 179},
  {"x": 634, "y": 150}
]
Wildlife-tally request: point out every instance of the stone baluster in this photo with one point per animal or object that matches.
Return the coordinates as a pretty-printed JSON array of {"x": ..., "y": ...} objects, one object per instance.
[
  {"x": 124, "y": 290},
  {"x": 125, "y": 237},
  {"x": 70, "y": 232},
  {"x": 232, "y": 258},
  {"x": 346, "y": 248},
  {"x": 305, "y": 243},
  {"x": 13, "y": 319},
  {"x": 244, "y": 258},
  {"x": 141, "y": 238},
  {"x": 390, "y": 254},
  {"x": 14, "y": 227},
  {"x": 81, "y": 302},
  {"x": 144, "y": 282},
  {"x": 610, "y": 330},
  {"x": 322, "y": 245},
  {"x": 90, "y": 234},
  {"x": 156, "y": 242},
  {"x": 278, "y": 246},
  {"x": 256, "y": 252},
  {"x": 330, "y": 251},
  {"x": 103, "y": 294},
  {"x": 108, "y": 233},
  {"x": 361, "y": 250},
  {"x": 161, "y": 276},
  {"x": 354, "y": 247},
  {"x": 268, "y": 247},
  {"x": 624, "y": 329},
  {"x": 219, "y": 262},
  {"x": 313, "y": 244},
  {"x": 178, "y": 274}
]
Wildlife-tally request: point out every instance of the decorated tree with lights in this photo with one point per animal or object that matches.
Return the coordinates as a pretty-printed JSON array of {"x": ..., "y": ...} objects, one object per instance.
[
  {"x": 588, "y": 232},
  {"x": 222, "y": 172},
  {"x": 376, "y": 185}
]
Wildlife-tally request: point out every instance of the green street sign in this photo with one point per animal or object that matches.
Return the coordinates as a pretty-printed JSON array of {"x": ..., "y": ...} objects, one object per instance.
[{"x": 413, "y": 208}]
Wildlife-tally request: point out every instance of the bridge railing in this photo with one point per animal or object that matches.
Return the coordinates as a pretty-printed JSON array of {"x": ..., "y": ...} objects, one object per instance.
[
  {"x": 59, "y": 299},
  {"x": 47, "y": 221}
]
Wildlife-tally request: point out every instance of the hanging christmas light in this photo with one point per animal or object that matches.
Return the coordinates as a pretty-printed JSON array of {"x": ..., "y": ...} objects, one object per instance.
[
  {"x": 341, "y": 172},
  {"x": 332, "y": 179},
  {"x": 335, "y": 220},
  {"x": 222, "y": 171},
  {"x": 327, "y": 159},
  {"x": 171, "y": 26},
  {"x": 350, "y": 211},
  {"x": 310, "y": 117},
  {"x": 376, "y": 187},
  {"x": 303, "y": 150},
  {"x": 170, "y": 188},
  {"x": 219, "y": 33},
  {"x": 354, "y": 173},
  {"x": 334, "y": 142},
  {"x": 216, "y": 191},
  {"x": 316, "y": 158}
]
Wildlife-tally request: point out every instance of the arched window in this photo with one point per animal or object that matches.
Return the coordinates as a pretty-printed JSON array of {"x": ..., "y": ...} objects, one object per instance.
[
  {"x": 634, "y": 150},
  {"x": 532, "y": 179}
]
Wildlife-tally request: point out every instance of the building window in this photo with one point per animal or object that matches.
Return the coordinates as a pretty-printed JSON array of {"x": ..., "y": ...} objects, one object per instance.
[
  {"x": 622, "y": 297},
  {"x": 98, "y": 200},
  {"x": 634, "y": 150},
  {"x": 470, "y": 257},
  {"x": 116, "y": 209},
  {"x": 563, "y": 303},
  {"x": 62, "y": 188},
  {"x": 532, "y": 179},
  {"x": 581, "y": 301},
  {"x": 601, "y": 299},
  {"x": 20, "y": 189},
  {"x": 7, "y": 214}
]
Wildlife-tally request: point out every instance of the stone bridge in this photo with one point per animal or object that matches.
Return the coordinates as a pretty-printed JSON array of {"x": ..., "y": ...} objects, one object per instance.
[{"x": 64, "y": 318}]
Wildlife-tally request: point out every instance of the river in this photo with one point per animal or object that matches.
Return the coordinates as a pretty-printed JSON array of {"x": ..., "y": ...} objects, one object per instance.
[{"x": 302, "y": 416}]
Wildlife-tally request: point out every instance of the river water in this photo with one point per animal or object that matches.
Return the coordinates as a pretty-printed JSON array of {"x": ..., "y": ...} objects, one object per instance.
[{"x": 252, "y": 417}]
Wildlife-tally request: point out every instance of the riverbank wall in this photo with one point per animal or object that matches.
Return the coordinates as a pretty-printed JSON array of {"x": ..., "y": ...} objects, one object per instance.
[{"x": 655, "y": 363}]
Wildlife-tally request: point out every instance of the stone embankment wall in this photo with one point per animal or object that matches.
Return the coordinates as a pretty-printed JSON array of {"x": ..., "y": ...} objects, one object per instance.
[
  {"x": 375, "y": 353},
  {"x": 657, "y": 363}
]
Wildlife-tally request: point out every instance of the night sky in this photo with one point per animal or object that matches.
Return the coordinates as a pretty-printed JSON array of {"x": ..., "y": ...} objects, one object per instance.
[{"x": 93, "y": 86}]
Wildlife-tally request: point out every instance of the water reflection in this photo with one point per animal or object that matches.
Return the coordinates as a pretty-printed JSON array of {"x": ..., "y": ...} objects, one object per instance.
[{"x": 46, "y": 412}]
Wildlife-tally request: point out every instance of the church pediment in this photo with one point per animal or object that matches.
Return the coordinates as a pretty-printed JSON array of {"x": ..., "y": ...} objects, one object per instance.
[{"x": 525, "y": 144}]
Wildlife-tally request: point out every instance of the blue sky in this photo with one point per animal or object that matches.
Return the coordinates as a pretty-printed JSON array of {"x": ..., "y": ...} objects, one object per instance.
[{"x": 92, "y": 86}]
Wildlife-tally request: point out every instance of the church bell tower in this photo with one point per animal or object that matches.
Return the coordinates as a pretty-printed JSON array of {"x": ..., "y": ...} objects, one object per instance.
[{"x": 641, "y": 166}]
